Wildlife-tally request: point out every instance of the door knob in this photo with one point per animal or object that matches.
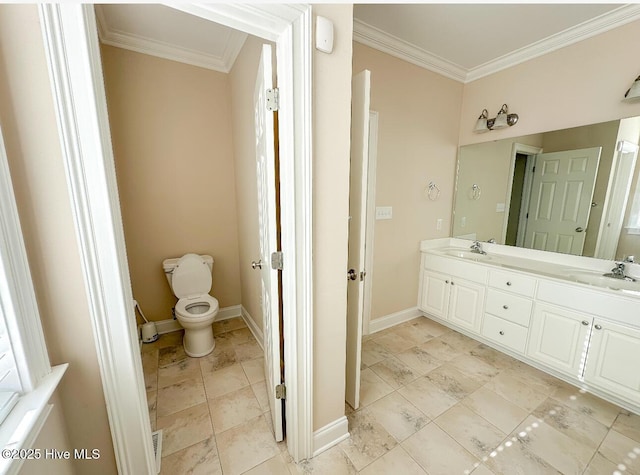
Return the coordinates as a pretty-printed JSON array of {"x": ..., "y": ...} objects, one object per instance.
[
  {"x": 579, "y": 229},
  {"x": 256, "y": 265},
  {"x": 351, "y": 274}
]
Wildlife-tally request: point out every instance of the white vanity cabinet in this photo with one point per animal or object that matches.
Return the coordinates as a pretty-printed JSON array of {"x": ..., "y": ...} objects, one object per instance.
[
  {"x": 559, "y": 338},
  {"x": 587, "y": 335},
  {"x": 613, "y": 359},
  {"x": 449, "y": 296}
]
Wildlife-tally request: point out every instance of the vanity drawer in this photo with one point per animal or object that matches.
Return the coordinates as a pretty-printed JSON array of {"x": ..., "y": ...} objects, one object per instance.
[
  {"x": 505, "y": 333},
  {"x": 512, "y": 282},
  {"x": 509, "y": 307}
]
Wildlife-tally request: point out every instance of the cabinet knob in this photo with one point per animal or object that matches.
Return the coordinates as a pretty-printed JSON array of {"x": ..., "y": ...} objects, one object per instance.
[
  {"x": 446, "y": 281},
  {"x": 501, "y": 332},
  {"x": 585, "y": 323},
  {"x": 452, "y": 282},
  {"x": 598, "y": 327},
  {"x": 506, "y": 307},
  {"x": 509, "y": 283}
]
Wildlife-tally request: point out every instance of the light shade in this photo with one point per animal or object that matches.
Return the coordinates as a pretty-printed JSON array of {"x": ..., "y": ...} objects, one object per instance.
[
  {"x": 501, "y": 118},
  {"x": 481, "y": 123},
  {"x": 633, "y": 94}
]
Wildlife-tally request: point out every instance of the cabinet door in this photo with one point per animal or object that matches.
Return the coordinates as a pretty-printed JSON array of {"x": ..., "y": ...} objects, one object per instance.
[
  {"x": 466, "y": 304},
  {"x": 612, "y": 361},
  {"x": 435, "y": 294},
  {"x": 558, "y": 338}
]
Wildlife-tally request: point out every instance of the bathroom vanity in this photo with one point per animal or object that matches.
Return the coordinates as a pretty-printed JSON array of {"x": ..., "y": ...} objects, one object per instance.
[{"x": 553, "y": 311}]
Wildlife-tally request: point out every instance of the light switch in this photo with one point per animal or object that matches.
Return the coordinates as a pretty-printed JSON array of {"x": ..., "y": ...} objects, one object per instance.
[
  {"x": 439, "y": 224},
  {"x": 463, "y": 221},
  {"x": 384, "y": 212}
]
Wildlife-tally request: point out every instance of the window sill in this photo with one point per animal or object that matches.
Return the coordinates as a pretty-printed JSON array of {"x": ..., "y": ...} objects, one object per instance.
[{"x": 21, "y": 427}]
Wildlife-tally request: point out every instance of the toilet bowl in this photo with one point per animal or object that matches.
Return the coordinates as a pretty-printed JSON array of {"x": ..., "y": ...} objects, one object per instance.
[{"x": 190, "y": 280}]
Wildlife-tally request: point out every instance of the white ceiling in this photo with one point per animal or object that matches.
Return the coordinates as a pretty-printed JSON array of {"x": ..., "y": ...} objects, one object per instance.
[
  {"x": 461, "y": 41},
  {"x": 163, "y": 31}
]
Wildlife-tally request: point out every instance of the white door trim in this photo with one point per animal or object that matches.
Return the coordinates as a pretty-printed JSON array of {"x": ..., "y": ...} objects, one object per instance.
[
  {"x": 371, "y": 220},
  {"x": 73, "y": 56},
  {"x": 516, "y": 148}
]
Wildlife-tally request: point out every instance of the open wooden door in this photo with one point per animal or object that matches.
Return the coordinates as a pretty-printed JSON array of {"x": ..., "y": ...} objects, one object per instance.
[
  {"x": 360, "y": 99},
  {"x": 563, "y": 184},
  {"x": 266, "y": 174}
]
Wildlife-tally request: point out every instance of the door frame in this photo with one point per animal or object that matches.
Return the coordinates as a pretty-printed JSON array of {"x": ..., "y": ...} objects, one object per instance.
[
  {"x": 371, "y": 220},
  {"x": 522, "y": 149},
  {"x": 73, "y": 56}
]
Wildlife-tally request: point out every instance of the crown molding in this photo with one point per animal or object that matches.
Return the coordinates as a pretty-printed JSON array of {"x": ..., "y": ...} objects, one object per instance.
[
  {"x": 375, "y": 38},
  {"x": 378, "y": 39},
  {"x": 144, "y": 45},
  {"x": 605, "y": 22}
]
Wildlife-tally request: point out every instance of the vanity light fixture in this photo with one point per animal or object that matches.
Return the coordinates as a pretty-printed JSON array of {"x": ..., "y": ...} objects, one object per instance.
[
  {"x": 502, "y": 120},
  {"x": 633, "y": 93}
]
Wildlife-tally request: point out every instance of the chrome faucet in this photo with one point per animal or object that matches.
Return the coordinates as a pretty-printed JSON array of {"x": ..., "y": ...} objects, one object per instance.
[
  {"x": 477, "y": 247},
  {"x": 618, "y": 272}
]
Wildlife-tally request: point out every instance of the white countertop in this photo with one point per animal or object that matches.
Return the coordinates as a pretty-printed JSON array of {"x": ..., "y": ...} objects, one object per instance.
[{"x": 581, "y": 270}]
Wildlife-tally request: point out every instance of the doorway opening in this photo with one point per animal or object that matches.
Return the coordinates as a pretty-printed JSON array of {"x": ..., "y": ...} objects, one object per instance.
[{"x": 73, "y": 55}]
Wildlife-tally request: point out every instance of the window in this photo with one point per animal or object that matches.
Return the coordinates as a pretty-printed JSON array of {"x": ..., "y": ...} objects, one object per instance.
[{"x": 27, "y": 380}]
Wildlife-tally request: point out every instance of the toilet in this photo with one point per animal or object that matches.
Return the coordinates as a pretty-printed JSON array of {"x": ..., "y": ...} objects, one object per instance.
[{"x": 190, "y": 280}]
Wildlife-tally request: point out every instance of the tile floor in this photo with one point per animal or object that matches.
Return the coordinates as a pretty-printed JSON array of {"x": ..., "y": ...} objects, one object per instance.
[{"x": 432, "y": 401}]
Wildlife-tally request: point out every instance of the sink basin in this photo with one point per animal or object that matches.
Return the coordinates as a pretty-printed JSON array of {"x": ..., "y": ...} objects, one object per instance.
[
  {"x": 602, "y": 281},
  {"x": 464, "y": 254}
]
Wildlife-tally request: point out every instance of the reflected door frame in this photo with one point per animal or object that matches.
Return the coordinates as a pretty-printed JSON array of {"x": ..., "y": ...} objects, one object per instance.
[{"x": 530, "y": 151}]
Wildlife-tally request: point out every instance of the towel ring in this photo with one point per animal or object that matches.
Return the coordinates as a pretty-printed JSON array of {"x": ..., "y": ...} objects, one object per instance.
[
  {"x": 432, "y": 191},
  {"x": 475, "y": 192}
]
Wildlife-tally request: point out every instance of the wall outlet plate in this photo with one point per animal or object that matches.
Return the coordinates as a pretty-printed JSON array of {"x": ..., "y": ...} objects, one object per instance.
[{"x": 384, "y": 212}]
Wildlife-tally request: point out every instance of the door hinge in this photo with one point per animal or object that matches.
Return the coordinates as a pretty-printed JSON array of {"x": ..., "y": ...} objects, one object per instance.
[
  {"x": 362, "y": 275},
  {"x": 273, "y": 99},
  {"x": 277, "y": 260},
  {"x": 281, "y": 391},
  {"x": 533, "y": 170}
]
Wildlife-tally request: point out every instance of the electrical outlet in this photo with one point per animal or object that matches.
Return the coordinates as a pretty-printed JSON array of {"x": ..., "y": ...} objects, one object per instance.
[
  {"x": 439, "y": 224},
  {"x": 463, "y": 221},
  {"x": 500, "y": 207}
]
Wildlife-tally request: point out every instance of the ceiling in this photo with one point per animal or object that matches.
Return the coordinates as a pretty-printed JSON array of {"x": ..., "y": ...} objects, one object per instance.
[{"x": 461, "y": 41}]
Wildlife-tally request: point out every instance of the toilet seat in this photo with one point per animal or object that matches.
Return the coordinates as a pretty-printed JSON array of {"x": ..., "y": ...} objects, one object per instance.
[{"x": 182, "y": 307}]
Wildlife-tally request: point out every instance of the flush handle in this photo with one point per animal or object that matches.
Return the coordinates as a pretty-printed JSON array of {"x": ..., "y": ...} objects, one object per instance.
[
  {"x": 579, "y": 229},
  {"x": 256, "y": 265}
]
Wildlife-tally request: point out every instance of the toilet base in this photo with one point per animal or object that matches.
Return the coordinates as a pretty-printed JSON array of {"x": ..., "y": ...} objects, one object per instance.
[{"x": 198, "y": 342}]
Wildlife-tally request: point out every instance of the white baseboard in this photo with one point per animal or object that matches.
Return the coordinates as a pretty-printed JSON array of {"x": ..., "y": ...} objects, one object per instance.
[
  {"x": 330, "y": 435},
  {"x": 171, "y": 325},
  {"x": 392, "y": 319},
  {"x": 255, "y": 329}
]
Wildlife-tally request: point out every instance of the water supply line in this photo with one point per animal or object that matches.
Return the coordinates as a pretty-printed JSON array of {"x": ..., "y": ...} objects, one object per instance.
[{"x": 137, "y": 307}]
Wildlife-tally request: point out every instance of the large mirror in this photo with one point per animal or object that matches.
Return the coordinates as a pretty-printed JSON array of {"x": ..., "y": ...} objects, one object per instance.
[{"x": 573, "y": 191}]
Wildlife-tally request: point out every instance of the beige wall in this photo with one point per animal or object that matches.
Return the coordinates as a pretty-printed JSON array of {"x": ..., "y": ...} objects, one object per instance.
[
  {"x": 331, "y": 139},
  {"x": 580, "y": 84},
  {"x": 171, "y": 131},
  {"x": 29, "y": 125},
  {"x": 417, "y": 143},
  {"x": 599, "y": 135},
  {"x": 242, "y": 81},
  {"x": 52, "y": 436}
]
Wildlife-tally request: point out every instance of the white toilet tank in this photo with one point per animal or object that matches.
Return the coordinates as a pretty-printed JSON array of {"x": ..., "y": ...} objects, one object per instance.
[{"x": 170, "y": 264}]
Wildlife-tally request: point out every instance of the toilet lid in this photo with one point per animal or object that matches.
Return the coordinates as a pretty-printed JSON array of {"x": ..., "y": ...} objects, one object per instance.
[{"x": 191, "y": 277}]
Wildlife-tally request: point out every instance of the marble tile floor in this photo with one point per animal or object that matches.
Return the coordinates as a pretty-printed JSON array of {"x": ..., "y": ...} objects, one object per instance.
[{"x": 432, "y": 402}]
